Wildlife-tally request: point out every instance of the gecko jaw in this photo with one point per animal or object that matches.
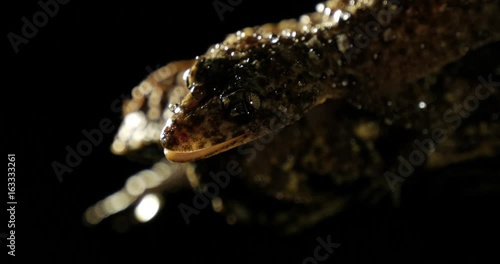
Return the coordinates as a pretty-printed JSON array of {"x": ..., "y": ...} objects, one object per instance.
[{"x": 188, "y": 156}]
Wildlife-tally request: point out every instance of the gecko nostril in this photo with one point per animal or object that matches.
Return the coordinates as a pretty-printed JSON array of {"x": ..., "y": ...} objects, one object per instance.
[
  {"x": 168, "y": 137},
  {"x": 173, "y": 139}
]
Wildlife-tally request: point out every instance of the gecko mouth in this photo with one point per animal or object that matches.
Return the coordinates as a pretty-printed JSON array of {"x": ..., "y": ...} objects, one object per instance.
[{"x": 187, "y": 156}]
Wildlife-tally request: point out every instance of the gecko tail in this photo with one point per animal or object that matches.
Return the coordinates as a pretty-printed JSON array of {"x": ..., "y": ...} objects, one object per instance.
[
  {"x": 141, "y": 196},
  {"x": 144, "y": 116}
]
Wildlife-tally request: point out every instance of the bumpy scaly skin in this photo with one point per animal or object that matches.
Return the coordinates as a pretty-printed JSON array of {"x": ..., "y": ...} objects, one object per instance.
[
  {"x": 340, "y": 86},
  {"x": 338, "y": 154},
  {"x": 363, "y": 53}
]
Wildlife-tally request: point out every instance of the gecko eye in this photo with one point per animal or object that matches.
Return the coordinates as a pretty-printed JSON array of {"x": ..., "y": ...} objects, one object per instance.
[
  {"x": 185, "y": 77},
  {"x": 241, "y": 104}
]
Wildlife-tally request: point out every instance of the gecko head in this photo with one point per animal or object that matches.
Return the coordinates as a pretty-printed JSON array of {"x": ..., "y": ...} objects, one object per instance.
[{"x": 228, "y": 105}]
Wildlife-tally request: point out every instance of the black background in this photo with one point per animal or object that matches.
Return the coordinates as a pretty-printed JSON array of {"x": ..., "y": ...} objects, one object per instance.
[{"x": 65, "y": 79}]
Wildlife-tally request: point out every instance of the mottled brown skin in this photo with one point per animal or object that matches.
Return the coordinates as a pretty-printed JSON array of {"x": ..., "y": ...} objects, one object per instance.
[
  {"x": 336, "y": 113},
  {"x": 321, "y": 62},
  {"x": 305, "y": 172}
]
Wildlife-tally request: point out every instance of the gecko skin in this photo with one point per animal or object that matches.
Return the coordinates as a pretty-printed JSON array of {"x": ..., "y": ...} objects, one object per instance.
[
  {"x": 262, "y": 79},
  {"x": 316, "y": 111}
]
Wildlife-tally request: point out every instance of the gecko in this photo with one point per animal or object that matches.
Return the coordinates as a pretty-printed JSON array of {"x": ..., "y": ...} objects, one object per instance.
[{"x": 303, "y": 117}]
